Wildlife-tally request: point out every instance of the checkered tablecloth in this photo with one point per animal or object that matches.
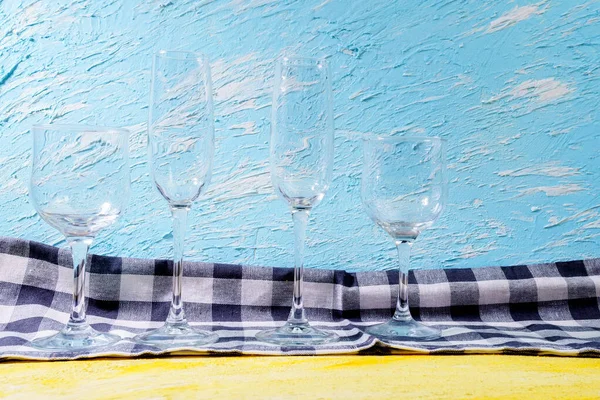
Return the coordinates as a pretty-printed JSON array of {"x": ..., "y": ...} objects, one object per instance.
[{"x": 526, "y": 309}]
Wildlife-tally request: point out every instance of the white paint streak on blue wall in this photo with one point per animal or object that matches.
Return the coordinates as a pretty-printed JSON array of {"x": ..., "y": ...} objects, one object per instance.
[{"x": 513, "y": 86}]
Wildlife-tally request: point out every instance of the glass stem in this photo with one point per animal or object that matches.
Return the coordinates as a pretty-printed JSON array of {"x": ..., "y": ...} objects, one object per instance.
[
  {"x": 179, "y": 213},
  {"x": 79, "y": 251},
  {"x": 402, "y": 312},
  {"x": 300, "y": 217}
]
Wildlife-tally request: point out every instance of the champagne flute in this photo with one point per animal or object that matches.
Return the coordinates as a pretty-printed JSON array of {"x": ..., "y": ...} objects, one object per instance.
[
  {"x": 181, "y": 147},
  {"x": 79, "y": 185},
  {"x": 403, "y": 190},
  {"x": 301, "y": 167}
]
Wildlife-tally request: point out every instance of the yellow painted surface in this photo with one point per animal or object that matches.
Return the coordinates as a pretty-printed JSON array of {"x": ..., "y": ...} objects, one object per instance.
[{"x": 324, "y": 377}]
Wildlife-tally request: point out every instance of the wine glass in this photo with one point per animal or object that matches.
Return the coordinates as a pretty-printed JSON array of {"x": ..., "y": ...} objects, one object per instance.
[
  {"x": 79, "y": 185},
  {"x": 181, "y": 147},
  {"x": 403, "y": 190},
  {"x": 301, "y": 167}
]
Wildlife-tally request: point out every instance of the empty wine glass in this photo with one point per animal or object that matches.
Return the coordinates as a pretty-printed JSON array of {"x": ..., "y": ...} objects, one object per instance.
[
  {"x": 301, "y": 166},
  {"x": 403, "y": 190},
  {"x": 181, "y": 147},
  {"x": 79, "y": 185}
]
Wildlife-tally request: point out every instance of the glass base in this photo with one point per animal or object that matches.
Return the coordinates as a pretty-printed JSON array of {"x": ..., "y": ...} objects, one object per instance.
[
  {"x": 397, "y": 331},
  {"x": 297, "y": 334},
  {"x": 176, "y": 335},
  {"x": 75, "y": 337}
]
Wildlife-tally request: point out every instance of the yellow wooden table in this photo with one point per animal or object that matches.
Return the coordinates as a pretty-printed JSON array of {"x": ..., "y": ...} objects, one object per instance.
[{"x": 323, "y": 377}]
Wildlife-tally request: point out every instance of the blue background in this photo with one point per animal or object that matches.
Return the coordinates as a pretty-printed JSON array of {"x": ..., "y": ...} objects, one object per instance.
[{"x": 513, "y": 85}]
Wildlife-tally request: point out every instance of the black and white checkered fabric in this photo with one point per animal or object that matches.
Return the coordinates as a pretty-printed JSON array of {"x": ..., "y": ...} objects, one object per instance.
[{"x": 533, "y": 309}]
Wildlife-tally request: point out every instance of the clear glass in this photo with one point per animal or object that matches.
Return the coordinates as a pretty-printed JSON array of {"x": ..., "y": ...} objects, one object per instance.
[
  {"x": 403, "y": 190},
  {"x": 79, "y": 185},
  {"x": 181, "y": 148},
  {"x": 301, "y": 167}
]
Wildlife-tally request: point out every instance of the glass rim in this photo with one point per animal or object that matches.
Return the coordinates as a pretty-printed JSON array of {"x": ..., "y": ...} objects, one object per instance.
[
  {"x": 181, "y": 55},
  {"x": 304, "y": 61},
  {"x": 401, "y": 138},
  {"x": 78, "y": 127}
]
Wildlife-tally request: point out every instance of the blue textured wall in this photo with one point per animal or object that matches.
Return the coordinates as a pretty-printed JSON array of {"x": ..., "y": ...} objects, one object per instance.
[{"x": 513, "y": 85}]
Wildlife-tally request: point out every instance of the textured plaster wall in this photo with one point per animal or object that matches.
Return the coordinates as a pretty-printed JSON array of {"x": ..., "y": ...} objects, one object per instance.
[{"x": 513, "y": 85}]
